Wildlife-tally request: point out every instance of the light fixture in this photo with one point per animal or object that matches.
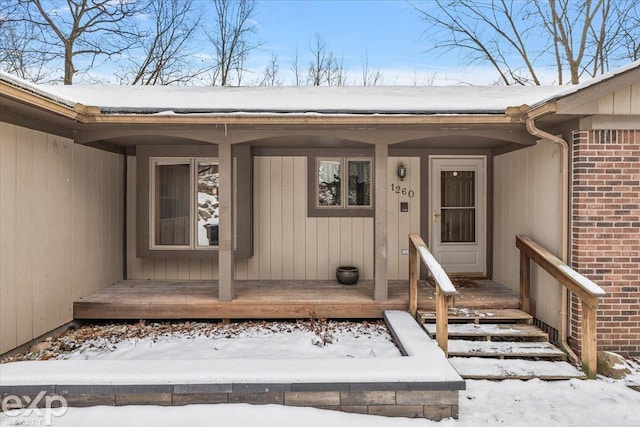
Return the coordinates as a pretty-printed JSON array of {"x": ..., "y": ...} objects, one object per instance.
[{"x": 402, "y": 171}]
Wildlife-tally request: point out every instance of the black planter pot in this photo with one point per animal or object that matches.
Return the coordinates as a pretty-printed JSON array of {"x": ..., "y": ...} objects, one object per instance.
[{"x": 347, "y": 275}]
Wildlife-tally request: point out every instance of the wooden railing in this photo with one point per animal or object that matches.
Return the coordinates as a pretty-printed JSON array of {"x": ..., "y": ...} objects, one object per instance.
[
  {"x": 580, "y": 286},
  {"x": 444, "y": 288}
]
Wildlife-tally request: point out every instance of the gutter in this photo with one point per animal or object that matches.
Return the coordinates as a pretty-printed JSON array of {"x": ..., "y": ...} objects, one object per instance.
[{"x": 529, "y": 117}]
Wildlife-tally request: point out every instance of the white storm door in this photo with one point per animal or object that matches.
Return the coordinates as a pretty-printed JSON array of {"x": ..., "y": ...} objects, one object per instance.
[{"x": 458, "y": 191}]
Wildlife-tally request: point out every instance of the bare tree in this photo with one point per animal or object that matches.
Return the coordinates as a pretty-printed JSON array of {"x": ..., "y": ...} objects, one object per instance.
[
  {"x": 628, "y": 46},
  {"x": 520, "y": 39},
  {"x": 295, "y": 67},
  {"x": 270, "y": 76},
  {"x": 320, "y": 63},
  {"x": 324, "y": 67},
  {"x": 337, "y": 73},
  {"x": 21, "y": 52},
  {"x": 164, "y": 55},
  {"x": 232, "y": 38},
  {"x": 74, "y": 29},
  {"x": 370, "y": 77}
]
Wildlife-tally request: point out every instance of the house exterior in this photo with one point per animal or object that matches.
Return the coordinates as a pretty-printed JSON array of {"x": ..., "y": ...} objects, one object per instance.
[{"x": 102, "y": 184}]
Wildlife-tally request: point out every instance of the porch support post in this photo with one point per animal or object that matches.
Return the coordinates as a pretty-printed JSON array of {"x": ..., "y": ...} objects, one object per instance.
[
  {"x": 381, "y": 290},
  {"x": 225, "y": 245}
]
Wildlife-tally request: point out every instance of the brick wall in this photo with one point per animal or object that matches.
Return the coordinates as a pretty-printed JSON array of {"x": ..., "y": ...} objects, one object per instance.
[{"x": 606, "y": 233}]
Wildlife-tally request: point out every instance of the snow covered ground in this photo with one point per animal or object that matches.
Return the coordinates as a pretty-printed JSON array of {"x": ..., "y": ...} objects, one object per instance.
[
  {"x": 511, "y": 403},
  {"x": 315, "y": 338}
]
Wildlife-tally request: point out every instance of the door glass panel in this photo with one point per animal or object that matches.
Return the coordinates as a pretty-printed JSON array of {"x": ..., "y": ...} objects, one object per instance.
[
  {"x": 359, "y": 182},
  {"x": 329, "y": 182},
  {"x": 457, "y": 192},
  {"x": 208, "y": 208},
  {"x": 172, "y": 204}
]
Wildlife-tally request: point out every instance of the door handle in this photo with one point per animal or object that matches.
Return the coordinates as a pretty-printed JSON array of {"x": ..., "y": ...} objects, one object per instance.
[{"x": 435, "y": 216}]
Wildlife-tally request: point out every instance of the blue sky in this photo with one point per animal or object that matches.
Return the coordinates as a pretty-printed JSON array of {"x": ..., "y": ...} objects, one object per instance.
[
  {"x": 389, "y": 32},
  {"x": 388, "y": 29}
]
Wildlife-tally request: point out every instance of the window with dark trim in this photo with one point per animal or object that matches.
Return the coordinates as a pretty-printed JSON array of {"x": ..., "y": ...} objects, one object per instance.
[
  {"x": 184, "y": 203},
  {"x": 176, "y": 201},
  {"x": 341, "y": 186}
]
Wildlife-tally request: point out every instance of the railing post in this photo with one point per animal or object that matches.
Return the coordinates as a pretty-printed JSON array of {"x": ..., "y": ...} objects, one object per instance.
[
  {"x": 587, "y": 291},
  {"x": 442, "y": 320},
  {"x": 589, "y": 344},
  {"x": 525, "y": 283},
  {"x": 413, "y": 279}
]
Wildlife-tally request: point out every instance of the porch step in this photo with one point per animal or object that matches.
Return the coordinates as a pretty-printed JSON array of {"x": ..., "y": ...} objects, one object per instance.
[
  {"x": 499, "y": 369},
  {"x": 487, "y": 331},
  {"x": 466, "y": 315},
  {"x": 504, "y": 350}
]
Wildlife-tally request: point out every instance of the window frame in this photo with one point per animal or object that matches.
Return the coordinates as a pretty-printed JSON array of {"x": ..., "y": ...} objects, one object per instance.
[
  {"x": 315, "y": 209},
  {"x": 193, "y": 201},
  {"x": 139, "y": 191}
]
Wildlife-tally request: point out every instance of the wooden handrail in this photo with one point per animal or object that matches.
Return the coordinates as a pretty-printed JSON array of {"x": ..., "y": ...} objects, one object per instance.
[
  {"x": 444, "y": 288},
  {"x": 583, "y": 288}
]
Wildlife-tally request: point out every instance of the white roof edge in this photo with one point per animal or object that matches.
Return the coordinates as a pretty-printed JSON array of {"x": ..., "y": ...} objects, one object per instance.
[{"x": 34, "y": 88}]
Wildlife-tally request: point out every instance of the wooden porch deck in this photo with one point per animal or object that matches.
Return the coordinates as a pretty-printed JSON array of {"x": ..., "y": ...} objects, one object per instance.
[{"x": 272, "y": 300}]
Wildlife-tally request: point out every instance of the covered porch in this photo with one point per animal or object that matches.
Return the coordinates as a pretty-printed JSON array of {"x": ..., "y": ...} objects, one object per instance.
[{"x": 275, "y": 300}]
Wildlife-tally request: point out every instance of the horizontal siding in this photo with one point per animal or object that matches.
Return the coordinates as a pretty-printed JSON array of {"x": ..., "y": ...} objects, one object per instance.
[
  {"x": 527, "y": 201},
  {"x": 61, "y": 229}
]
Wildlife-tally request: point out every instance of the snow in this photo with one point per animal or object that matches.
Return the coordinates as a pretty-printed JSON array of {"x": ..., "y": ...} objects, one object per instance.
[
  {"x": 251, "y": 367},
  {"x": 34, "y": 88},
  {"x": 169, "y": 100},
  {"x": 253, "y": 344},
  {"x": 166, "y": 100},
  {"x": 497, "y": 347},
  {"x": 510, "y": 403},
  {"x": 514, "y": 403},
  {"x": 481, "y": 329},
  {"x": 476, "y": 367},
  {"x": 436, "y": 269},
  {"x": 585, "y": 283}
]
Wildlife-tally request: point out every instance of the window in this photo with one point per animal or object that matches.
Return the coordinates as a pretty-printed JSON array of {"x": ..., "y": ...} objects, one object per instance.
[
  {"x": 343, "y": 183},
  {"x": 184, "y": 203}
]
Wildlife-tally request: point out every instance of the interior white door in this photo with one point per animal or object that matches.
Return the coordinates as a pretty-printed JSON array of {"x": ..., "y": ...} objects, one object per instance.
[{"x": 458, "y": 191}]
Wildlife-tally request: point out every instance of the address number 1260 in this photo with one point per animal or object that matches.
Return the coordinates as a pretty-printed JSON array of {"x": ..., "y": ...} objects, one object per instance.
[{"x": 402, "y": 190}]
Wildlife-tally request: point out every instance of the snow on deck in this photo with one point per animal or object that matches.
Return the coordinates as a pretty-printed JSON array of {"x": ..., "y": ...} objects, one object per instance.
[{"x": 480, "y": 368}]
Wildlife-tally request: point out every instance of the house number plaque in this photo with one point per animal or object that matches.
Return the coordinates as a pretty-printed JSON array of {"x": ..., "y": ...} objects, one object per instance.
[{"x": 402, "y": 190}]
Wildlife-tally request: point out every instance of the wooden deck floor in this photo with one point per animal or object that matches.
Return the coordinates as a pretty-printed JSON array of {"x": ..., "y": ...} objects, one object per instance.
[{"x": 271, "y": 300}]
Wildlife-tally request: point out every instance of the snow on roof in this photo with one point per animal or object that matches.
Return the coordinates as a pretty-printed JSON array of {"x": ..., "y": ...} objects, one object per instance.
[
  {"x": 34, "y": 88},
  {"x": 305, "y": 99}
]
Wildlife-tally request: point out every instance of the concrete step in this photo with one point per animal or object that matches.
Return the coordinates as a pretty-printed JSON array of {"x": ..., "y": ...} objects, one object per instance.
[
  {"x": 465, "y": 315},
  {"x": 487, "y": 331},
  {"x": 478, "y": 368},
  {"x": 504, "y": 350}
]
